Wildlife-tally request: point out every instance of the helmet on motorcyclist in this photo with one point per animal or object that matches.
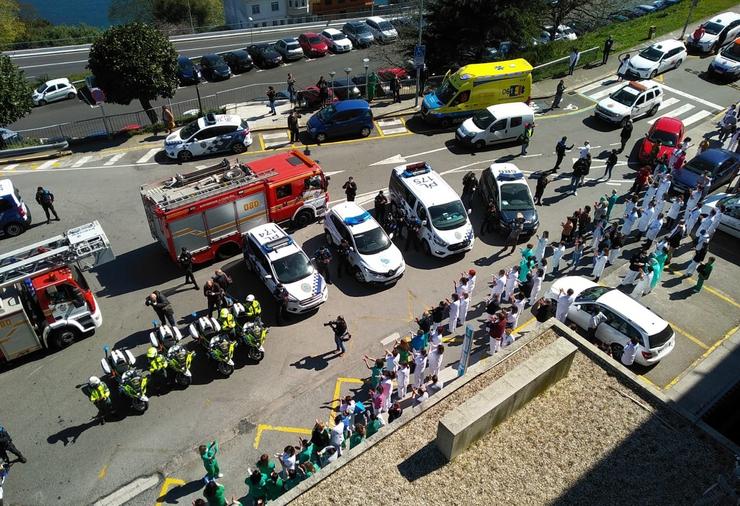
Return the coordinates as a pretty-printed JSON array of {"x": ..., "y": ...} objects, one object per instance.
[
  {"x": 151, "y": 352},
  {"x": 224, "y": 313},
  {"x": 250, "y": 298},
  {"x": 94, "y": 381}
]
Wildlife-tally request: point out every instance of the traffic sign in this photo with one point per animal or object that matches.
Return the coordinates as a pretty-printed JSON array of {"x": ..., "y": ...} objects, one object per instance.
[
  {"x": 420, "y": 51},
  {"x": 467, "y": 347}
]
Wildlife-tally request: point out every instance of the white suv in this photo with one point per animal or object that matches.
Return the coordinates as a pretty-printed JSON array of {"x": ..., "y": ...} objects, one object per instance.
[
  {"x": 720, "y": 30},
  {"x": 275, "y": 258},
  {"x": 656, "y": 59},
  {"x": 336, "y": 40},
  {"x": 633, "y": 100},
  {"x": 374, "y": 257},
  {"x": 211, "y": 134}
]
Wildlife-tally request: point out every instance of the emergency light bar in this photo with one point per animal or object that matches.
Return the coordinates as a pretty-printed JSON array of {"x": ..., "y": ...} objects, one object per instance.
[
  {"x": 276, "y": 244},
  {"x": 416, "y": 169},
  {"x": 356, "y": 220}
]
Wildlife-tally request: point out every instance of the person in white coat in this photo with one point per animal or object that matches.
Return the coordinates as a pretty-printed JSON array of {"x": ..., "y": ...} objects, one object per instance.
[
  {"x": 629, "y": 221},
  {"x": 663, "y": 187},
  {"x": 702, "y": 237},
  {"x": 402, "y": 380},
  {"x": 464, "y": 306},
  {"x": 674, "y": 210},
  {"x": 558, "y": 250},
  {"x": 714, "y": 220},
  {"x": 691, "y": 217},
  {"x": 646, "y": 219},
  {"x": 654, "y": 228},
  {"x": 454, "y": 313},
  {"x": 565, "y": 299},
  {"x": 511, "y": 282},
  {"x": 693, "y": 201},
  {"x": 643, "y": 282},
  {"x": 470, "y": 286},
  {"x": 435, "y": 358},
  {"x": 499, "y": 283},
  {"x": 649, "y": 195},
  {"x": 420, "y": 361},
  {"x": 600, "y": 264},
  {"x": 539, "y": 249},
  {"x": 539, "y": 277}
]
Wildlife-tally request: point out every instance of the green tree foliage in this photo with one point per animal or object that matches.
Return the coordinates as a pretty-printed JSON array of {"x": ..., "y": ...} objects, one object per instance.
[
  {"x": 41, "y": 33},
  {"x": 15, "y": 92},
  {"x": 10, "y": 27},
  {"x": 134, "y": 61},
  {"x": 168, "y": 12},
  {"x": 458, "y": 31},
  {"x": 121, "y": 12}
]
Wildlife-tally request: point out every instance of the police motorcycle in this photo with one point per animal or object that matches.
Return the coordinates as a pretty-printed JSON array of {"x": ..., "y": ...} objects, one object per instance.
[
  {"x": 179, "y": 359},
  {"x": 207, "y": 331},
  {"x": 132, "y": 381},
  {"x": 250, "y": 332}
]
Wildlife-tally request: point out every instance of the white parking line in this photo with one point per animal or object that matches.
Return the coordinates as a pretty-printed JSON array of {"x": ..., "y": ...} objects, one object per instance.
[
  {"x": 390, "y": 131},
  {"x": 391, "y": 338},
  {"x": 698, "y": 116},
  {"x": 114, "y": 159},
  {"x": 46, "y": 164},
  {"x": 81, "y": 161},
  {"x": 10, "y": 168},
  {"x": 675, "y": 112},
  {"x": 148, "y": 155},
  {"x": 274, "y": 136}
]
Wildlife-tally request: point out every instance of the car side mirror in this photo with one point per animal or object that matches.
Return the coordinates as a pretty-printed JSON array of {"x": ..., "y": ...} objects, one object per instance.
[
  {"x": 470, "y": 211},
  {"x": 424, "y": 222},
  {"x": 268, "y": 276}
]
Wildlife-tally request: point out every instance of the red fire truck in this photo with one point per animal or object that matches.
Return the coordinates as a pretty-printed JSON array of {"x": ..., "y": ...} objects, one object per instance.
[
  {"x": 208, "y": 211},
  {"x": 45, "y": 301}
]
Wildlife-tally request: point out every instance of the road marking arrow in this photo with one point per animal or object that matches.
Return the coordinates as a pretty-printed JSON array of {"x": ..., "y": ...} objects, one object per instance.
[{"x": 399, "y": 159}]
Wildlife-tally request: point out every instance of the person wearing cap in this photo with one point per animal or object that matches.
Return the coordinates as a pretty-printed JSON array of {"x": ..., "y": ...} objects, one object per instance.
[
  {"x": 252, "y": 307},
  {"x": 282, "y": 296},
  {"x": 157, "y": 365},
  {"x": 100, "y": 396},
  {"x": 226, "y": 320},
  {"x": 526, "y": 136}
]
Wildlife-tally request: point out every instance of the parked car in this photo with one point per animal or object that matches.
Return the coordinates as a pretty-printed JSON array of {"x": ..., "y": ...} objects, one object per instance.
[
  {"x": 348, "y": 117},
  {"x": 729, "y": 222},
  {"x": 387, "y": 73},
  {"x": 238, "y": 60},
  {"x": 344, "y": 88},
  {"x": 54, "y": 90},
  {"x": 722, "y": 29},
  {"x": 312, "y": 44},
  {"x": 726, "y": 64},
  {"x": 721, "y": 164},
  {"x": 382, "y": 29},
  {"x": 623, "y": 15},
  {"x": 644, "y": 9},
  {"x": 359, "y": 33},
  {"x": 563, "y": 32},
  {"x": 9, "y": 136},
  {"x": 15, "y": 218},
  {"x": 211, "y": 134},
  {"x": 336, "y": 40},
  {"x": 265, "y": 55},
  {"x": 214, "y": 68},
  {"x": 187, "y": 71},
  {"x": 666, "y": 130},
  {"x": 373, "y": 256},
  {"x": 625, "y": 318},
  {"x": 289, "y": 49},
  {"x": 631, "y": 101},
  {"x": 310, "y": 97},
  {"x": 656, "y": 59},
  {"x": 506, "y": 186}
]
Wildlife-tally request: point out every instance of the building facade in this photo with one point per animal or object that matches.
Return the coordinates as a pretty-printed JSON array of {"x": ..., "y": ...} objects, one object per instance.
[{"x": 264, "y": 12}]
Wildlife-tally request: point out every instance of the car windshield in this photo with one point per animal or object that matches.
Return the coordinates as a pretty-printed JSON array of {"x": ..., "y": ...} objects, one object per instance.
[
  {"x": 732, "y": 52},
  {"x": 189, "y": 130},
  {"x": 730, "y": 201},
  {"x": 446, "y": 92},
  {"x": 292, "y": 268},
  {"x": 665, "y": 138},
  {"x": 292, "y": 45},
  {"x": 385, "y": 25},
  {"x": 448, "y": 216},
  {"x": 483, "y": 119},
  {"x": 699, "y": 166},
  {"x": 338, "y": 36},
  {"x": 41, "y": 88},
  {"x": 361, "y": 28},
  {"x": 372, "y": 241},
  {"x": 713, "y": 28},
  {"x": 593, "y": 293},
  {"x": 625, "y": 96},
  {"x": 515, "y": 197},
  {"x": 652, "y": 54},
  {"x": 314, "y": 40},
  {"x": 242, "y": 56},
  {"x": 210, "y": 60},
  {"x": 186, "y": 64},
  {"x": 326, "y": 113}
]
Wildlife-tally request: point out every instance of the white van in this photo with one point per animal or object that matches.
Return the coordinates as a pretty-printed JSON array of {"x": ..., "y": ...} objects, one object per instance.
[
  {"x": 497, "y": 123},
  {"x": 382, "y": 29},
  {"x": 421, "y": 193}
]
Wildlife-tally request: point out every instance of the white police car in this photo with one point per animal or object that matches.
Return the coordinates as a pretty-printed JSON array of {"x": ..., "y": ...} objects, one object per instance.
[
  {"x": 656, "y": 59},
  {"x": 211, "y": 134},
  {"x": 505, "y": 184},
  {"x": 274, "y": 256},
  {"x": 374, "y": 257}
]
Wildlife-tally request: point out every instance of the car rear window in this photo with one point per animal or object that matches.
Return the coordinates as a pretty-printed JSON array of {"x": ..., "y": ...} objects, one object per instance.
[
  {"x": 662, "y": 337},
  {"x": 292, "y": 45}
]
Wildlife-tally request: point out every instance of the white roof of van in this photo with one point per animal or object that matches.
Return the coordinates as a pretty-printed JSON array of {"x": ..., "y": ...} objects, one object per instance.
[
  {"x": 6, "y": 187},
  {"x": 426, "y": 184},
  {"x": 510, "y": 109}
]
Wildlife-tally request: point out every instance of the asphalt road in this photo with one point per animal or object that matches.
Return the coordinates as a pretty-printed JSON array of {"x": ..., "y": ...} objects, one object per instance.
[
  {"x": 306, "y": 72},
  {"x": 50, "y": 419}
]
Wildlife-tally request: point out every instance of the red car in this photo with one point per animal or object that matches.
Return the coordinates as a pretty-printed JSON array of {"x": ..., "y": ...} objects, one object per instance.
[
  {"x": 668, "y": 131},
  {"x": 312, "y": 44},
  {"x": 309, "y": 98},
  {"x": 386, "y": 74}
]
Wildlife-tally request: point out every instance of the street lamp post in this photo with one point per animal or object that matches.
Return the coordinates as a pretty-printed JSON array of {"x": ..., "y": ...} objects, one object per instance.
[
  {"x": 347, "y": 71},
  {"x": 688, "y": 18},
  {"x": 251, "y": 29},
  {"x": 190, "y": 15},
  {"x": 419, "y": 69},
  {"x": 366, "y": 62}
]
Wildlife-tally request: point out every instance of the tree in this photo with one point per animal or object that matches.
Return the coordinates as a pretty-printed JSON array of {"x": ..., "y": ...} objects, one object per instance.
[
  {"x": 168, "y": 13},
  {"x": 10, "y": 25},
  {"x": 134, "y": 61},
  {"x": 15, "y": 92}
]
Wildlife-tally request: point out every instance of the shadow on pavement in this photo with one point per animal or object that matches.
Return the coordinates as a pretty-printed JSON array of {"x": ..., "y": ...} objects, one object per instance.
[
  {"x": 426, "y": 460},
  {"x": 70, "y": 435},
  {"x": 180, "y": 491},
  {"x": 315, "y": 362},
  {"x": 145, "y": 267}
]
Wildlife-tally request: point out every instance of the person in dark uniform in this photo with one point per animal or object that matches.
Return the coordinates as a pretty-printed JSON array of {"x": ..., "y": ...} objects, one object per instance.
[
  {"x": 6, "y": 445},
  {"x": 542, "y": 183},
  {"x": 281, "y": 296},
  {"x": 625, "y": 134},
  {"x": 344, "y": 263},
  {"x": 350, "y": 189},
  {"x": 608, "y": 43},
  {"x": 161, "y": 306},
  {"x": 413, "y": 227},
  {"x": 558, "y": 95},
  {"x": 46, "y": 200},
  {"x": 186, "y": 262},
  {"x": 322, "y": 257},
  {"x": 293, "y": 126},
  {"x": 560, "y": 148},
  {"x": 489, "y": 218},
  {"x": 381, "y": 204}
]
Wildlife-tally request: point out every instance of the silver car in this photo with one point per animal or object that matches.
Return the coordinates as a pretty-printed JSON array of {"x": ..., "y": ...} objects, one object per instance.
[{"x": 289, "y": 49}]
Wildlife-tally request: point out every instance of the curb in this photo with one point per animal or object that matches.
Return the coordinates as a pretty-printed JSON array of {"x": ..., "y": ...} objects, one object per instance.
[{"x": 32, "y": 158}]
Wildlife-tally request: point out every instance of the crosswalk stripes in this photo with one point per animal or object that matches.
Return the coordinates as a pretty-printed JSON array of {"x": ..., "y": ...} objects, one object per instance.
[
  {"x": 276, "y": 139},
  {"x": 697, "y": 116},
  {"x": 46, "y": 164},
  {"x": 389, "y": 126},
  {"x": 603, "y": 93},
  {"x": 82, "y": 161},
  {"x": 113, "y": 159},
  {"x": 675, "y": 112},
  {"x": 667, "y": 103},
  {"x": 149, "y": 154},
  {"x": 10, "y": 168}
]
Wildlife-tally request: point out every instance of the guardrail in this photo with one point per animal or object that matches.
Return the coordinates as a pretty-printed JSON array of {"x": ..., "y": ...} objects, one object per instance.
[{"x": 587, "y": 56}]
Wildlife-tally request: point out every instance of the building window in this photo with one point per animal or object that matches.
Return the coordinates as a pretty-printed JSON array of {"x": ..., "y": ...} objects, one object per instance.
[
  {"x": 256, "y": 9},
  {"x": 303, "y": 3},
  {"x": 275, "y": 6}
]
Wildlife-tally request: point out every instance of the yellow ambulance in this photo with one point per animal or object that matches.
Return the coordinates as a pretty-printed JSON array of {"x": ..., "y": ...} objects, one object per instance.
[{"x": 476, "y": 86}]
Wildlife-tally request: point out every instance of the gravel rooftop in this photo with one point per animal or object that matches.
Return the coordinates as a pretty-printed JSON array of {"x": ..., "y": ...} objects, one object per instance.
[{"x": 589, "y": 439}]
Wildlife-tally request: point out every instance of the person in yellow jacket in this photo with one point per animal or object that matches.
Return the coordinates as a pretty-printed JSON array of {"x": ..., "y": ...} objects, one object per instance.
[
  {"x": 227, "y": 322},
  {"x": 252, "y": 307},
  {"x": 157, "y": 366},
  {"x": 99, "y": 394}
]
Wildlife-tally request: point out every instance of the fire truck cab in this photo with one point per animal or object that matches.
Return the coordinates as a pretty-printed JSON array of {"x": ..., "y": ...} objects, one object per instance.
[
  {"x": 45, "y": 301},
  {"x": 208, "y": 211}
]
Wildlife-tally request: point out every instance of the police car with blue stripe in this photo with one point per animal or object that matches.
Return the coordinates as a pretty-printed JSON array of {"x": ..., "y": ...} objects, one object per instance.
[
  {"x": 272, "y": 254},
  {"x": 374, "y": 257}
]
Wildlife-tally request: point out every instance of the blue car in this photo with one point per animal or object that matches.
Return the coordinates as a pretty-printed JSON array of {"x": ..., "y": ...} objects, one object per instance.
[
  {"x": 346, "y": 118},
  {"x": 15, "y": 218},
  {"x": 721, "y": 164},
  {"x": 187, "y": 71}
]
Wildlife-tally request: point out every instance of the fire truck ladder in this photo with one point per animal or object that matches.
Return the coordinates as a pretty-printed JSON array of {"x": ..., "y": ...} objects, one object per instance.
[{"x": 85, "y": 242}]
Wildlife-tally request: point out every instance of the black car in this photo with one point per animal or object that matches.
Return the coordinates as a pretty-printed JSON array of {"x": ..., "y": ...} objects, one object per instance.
[
  {"x": 264, "y": 55},
  {"x": 344, "y": 89},
  {"x": 505, "y": 186},
  {"x": 214, "y": 67},
  {"x": 238, "y": 60},
  {"x": 187, "y": 71}
]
